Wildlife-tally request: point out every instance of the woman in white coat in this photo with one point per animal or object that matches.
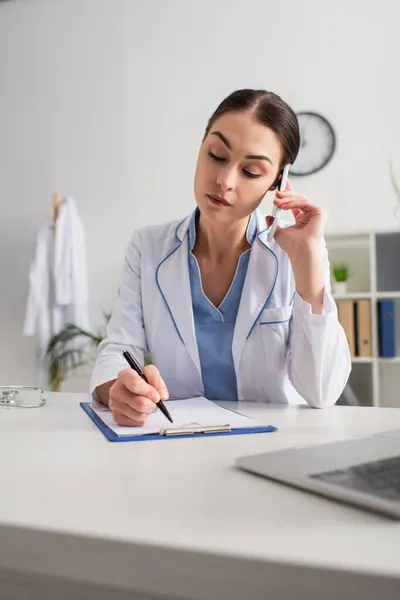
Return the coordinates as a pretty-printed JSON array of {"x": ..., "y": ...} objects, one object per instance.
[{"x": 221, "y": 311}]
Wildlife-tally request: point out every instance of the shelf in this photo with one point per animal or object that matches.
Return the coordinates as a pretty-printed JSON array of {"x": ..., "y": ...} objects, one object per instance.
[
  {"x": 371, "y": 257},
  {"x": 384, "y": 361},
  {"x": 361, "y": 295},
  {"x": 381, "y": 295},
  {"x": 352, "y": 296},
  {"x": 362, "y": 359},
  {"x": 331, "y": 243},
  {"x": 371, "y": 359}
]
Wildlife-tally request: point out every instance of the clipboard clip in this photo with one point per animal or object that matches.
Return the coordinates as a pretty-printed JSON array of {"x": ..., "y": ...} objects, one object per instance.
[{"x": 192, "y": 429}]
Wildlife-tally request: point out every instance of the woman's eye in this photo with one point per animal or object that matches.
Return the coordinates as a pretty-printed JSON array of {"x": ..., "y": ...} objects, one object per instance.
[
  {"x": 215, "y": 157},
  {"x": 251, "y": 175},
  {"x": 248, "y": 174}
]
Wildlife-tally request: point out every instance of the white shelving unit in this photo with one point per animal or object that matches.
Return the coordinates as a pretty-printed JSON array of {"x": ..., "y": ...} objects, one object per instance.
[{"x": 374, "y": 261}]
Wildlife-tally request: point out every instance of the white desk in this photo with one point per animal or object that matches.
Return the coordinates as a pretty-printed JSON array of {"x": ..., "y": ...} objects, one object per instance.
[{"x": 175, "y": 519}]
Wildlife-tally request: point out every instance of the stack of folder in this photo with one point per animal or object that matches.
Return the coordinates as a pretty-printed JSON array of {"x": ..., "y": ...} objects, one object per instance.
[
  {"x": 355, "y": 318},
  {"x": 387, "y": 328}
]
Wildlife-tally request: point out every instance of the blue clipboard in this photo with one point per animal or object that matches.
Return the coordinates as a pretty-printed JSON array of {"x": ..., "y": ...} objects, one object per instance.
[{"x": 113, "y": 437}]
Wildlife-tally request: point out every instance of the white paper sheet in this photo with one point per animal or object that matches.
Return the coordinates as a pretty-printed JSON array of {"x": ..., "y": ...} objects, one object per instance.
[{"x": 185, "y": 413}]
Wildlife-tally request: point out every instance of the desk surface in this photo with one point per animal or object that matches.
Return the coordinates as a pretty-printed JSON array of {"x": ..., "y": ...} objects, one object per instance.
[{"x": 175, "y": 516}]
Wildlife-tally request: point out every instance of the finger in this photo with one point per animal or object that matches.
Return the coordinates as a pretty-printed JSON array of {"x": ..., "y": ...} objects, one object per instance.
[
  {"x": 135, "y": 384},
  {"x": 126, "y": 421},
  {"x": 297, "y": 202},
  {"x": 120, "y": 395},
  {"x": 288, "y": 187},
  {"x": 297, "y": 212},
  {"x": 269, "y": 220},
  {"x": 135, "y": 412},
  {"x": 289, "y": 194},
  {"x": 156, "y": 381},
  {"x": 151, "y": 372}
]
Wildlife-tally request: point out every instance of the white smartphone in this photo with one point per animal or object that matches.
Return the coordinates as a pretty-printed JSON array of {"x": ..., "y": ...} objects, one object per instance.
[{"x": 275, "y": 210}]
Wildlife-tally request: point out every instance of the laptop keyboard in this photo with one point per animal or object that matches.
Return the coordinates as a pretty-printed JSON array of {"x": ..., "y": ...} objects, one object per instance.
[{"x": 378, "y": 478}]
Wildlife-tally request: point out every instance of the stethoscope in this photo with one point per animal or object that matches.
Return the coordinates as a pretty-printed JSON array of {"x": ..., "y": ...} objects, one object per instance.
[{"x": 12, "y": 396}]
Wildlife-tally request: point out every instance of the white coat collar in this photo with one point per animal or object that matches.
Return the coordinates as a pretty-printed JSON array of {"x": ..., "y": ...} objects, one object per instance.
[
  {"x": 174, "y": 283},
  {"x": 262, "y": 229}
]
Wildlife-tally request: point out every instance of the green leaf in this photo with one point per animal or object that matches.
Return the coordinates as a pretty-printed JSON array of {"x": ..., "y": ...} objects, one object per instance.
[
  {"x": 64, "y": 355},
  {"x": 340, "y": 272}
]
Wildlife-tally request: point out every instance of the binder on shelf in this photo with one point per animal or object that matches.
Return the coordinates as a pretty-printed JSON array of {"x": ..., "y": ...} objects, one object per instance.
[
  {"x": 346, "y": 318},
  {"x": 362, "y": 318},
  {"x": 386, "y": 328}
]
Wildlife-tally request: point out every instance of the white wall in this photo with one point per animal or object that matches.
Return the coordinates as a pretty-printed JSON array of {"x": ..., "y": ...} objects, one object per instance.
[{"x": 107, "y": 100}]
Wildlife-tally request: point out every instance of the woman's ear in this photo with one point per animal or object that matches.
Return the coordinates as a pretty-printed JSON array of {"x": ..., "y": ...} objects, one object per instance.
[{"x": 276, "y": 183}]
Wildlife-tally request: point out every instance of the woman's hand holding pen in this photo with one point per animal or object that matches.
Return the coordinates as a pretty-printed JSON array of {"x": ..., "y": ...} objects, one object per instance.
[{"x": 132, "y": 399}]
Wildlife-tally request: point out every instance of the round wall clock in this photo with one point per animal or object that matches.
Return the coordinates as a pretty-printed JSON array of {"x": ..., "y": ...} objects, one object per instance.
[{"x": 318, "y": 143}]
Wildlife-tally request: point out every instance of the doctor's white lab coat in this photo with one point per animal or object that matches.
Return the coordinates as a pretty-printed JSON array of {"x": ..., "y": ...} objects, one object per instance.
[
  {"x": 58, "y": 287},
  {"x": 281, "y": 351}
]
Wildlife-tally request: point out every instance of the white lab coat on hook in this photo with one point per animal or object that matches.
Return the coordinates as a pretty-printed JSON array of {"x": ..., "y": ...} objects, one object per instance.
[
  {"x": 58, "y": 288},
  {"x": 281, "y": 351},
  {"x": 70, "y": 269}
]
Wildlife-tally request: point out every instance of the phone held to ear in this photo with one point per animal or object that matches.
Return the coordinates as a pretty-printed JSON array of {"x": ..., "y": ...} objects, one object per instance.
[{"x": 275, "y": 210}]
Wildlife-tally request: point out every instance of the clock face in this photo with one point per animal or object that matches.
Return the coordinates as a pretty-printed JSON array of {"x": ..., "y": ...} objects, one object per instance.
[{"x": 317, "y": 144}]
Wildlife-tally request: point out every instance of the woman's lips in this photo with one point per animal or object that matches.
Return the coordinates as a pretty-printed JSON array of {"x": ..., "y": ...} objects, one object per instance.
[{"x": 218, "y": 200}]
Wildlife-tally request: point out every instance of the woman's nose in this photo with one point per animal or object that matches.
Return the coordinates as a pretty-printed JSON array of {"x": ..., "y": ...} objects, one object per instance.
[{"x": 226, "y": 179}]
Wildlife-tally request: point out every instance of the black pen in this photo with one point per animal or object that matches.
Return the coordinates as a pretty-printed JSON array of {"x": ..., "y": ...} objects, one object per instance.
[{"x": 134, "y": 365}]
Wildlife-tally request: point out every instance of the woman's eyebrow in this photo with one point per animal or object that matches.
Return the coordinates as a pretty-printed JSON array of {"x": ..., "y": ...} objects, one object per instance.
[
  {"x": 229, "y": 146},
  {"x": 223, "y": 139}
]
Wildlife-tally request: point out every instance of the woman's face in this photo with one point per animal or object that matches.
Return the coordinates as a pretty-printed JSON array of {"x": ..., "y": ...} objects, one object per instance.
[{"x": 238, "y": 162}]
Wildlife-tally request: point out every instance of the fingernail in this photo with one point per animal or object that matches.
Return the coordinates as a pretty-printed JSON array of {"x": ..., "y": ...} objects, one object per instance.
[
  {"x": 155, "y": 397},
  {"x": 164, "y": 394}
]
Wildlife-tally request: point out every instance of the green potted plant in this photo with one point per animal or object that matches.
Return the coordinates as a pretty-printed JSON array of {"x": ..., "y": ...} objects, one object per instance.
[
  {"x": 69, "y": 349},
  {"x": 340, "y": 274}
]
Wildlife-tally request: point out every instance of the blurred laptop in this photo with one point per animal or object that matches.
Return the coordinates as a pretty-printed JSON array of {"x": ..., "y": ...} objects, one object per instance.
[{"x": 364, "y": 472}]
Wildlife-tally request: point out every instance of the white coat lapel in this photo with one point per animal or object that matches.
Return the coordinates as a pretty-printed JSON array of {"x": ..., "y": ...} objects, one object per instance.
[
  {"x": 174, "y": 284},
  {"x": 259, "y": 284}
]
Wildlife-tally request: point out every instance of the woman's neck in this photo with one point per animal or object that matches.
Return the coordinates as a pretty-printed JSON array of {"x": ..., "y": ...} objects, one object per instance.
[{"x": 220, "y": 242}]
